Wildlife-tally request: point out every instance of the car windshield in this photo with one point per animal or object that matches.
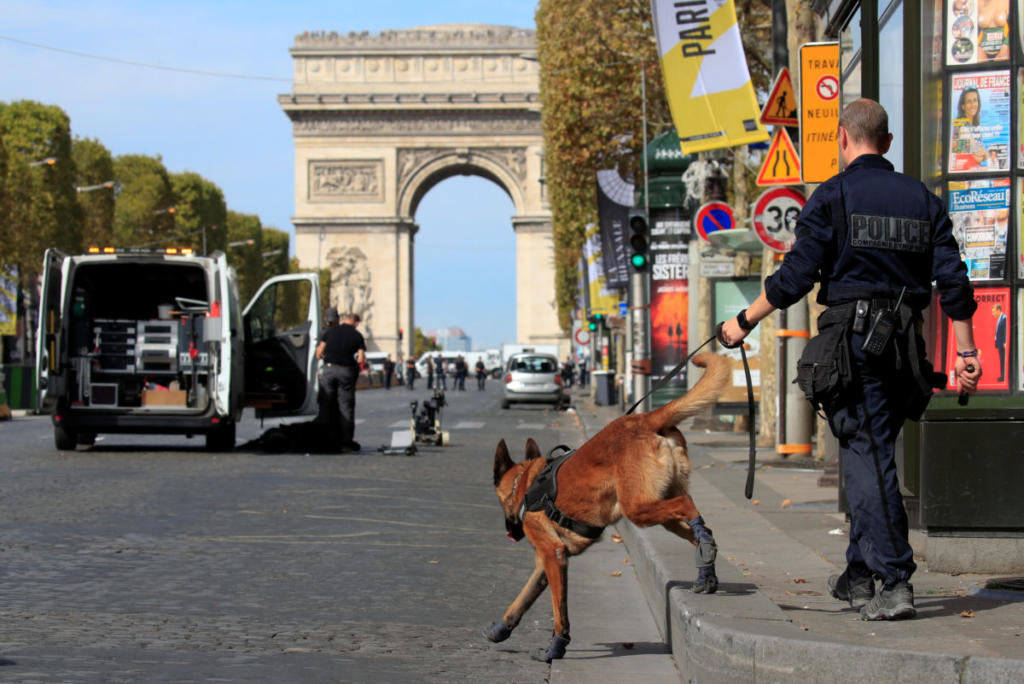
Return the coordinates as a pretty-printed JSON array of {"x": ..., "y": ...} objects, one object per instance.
[{"x": 533, "y": 364}]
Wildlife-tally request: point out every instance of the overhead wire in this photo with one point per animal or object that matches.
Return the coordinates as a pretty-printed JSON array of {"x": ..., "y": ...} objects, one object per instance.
[{"x": 161, "y": 67}]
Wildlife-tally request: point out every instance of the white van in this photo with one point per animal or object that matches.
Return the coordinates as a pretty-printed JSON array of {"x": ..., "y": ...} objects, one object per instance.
[{"x": 139, "y": 341}]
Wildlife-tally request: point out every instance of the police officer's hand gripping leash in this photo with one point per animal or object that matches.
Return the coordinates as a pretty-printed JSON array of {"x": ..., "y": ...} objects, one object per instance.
[{"x": 751, "y": 464}]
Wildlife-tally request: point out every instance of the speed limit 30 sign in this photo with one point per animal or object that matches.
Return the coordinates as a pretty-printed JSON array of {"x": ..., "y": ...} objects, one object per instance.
[{"x": 775, "y": 215}]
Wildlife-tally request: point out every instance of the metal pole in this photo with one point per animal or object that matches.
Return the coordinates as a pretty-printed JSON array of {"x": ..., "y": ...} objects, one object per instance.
[{"x": 638, "y": 281}]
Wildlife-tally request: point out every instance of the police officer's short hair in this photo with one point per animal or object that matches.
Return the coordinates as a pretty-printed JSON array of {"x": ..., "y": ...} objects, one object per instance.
[
  {"x": 352, "y": 316},
  {"x": 866, "y": 122}
]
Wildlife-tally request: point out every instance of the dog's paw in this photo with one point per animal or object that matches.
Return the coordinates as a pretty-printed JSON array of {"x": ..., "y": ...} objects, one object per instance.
[
  {"x": 707, "y": 581},
  {"x": 498, "y": 632},
  {"x": 554, "y": 651}
]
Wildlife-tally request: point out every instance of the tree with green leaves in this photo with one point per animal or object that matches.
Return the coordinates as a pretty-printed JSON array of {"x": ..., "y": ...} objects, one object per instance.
[
  {"x": 144, "y": 211},
  {"x": 421, "y": 343},
  {"x": 594, "y": 57},
  {"x": 41, "y": 209},
  {"x": 200, "y": 218},
  {"x": 94, "y": 166},
  {"x": 247, "y": 259}
]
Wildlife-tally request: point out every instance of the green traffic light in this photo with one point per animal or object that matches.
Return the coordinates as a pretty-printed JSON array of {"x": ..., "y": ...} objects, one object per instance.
[
  {"x": 639, "y": 261},
  {"x": 592, "y": 326}
]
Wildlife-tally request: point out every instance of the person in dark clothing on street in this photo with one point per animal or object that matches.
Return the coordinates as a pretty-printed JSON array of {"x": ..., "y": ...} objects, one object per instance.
[
  {"x": 461, "y": 371},
  {"x": 440, "y": 374},
  {"x": 343, "y": 351},
  {"x": 389, "y": 371},
  {"x": 876, "y": 240},
  {"x": 481, "y": 374},
  {"x": 430, "y": 373},
  {"x": 410, "y": 372}
]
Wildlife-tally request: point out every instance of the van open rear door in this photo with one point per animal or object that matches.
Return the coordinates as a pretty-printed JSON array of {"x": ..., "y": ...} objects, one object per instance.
[
  {"x": 281, "y": 325},
  {"x": 50, "y": 352}
]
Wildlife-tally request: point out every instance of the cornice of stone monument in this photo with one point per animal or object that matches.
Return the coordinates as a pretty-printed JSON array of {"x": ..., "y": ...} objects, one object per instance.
[{"x": 442, "y": 35}]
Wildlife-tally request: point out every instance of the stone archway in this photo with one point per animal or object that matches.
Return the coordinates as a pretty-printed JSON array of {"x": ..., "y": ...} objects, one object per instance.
[{"x": 377, "y": 121}]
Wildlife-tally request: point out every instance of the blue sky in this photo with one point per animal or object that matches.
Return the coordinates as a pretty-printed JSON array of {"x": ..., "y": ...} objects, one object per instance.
[{"x": 232, "y": 131}]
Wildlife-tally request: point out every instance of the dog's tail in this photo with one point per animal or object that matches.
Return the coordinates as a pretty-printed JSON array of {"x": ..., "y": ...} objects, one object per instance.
[{"x": 717, "y": 371}]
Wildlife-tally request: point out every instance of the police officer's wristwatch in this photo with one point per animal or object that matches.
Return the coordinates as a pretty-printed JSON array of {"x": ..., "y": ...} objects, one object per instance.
[{"x": 741, "y": 319}]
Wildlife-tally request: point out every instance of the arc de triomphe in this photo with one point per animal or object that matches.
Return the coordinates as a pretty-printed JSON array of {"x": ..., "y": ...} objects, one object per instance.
[{"x": 378, "y": 120}]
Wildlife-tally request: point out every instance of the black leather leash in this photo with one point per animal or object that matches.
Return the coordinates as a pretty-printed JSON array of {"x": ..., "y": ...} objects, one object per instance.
[
  {"x": 748, "y": 490},
  {"x": 671, "y": 374}
]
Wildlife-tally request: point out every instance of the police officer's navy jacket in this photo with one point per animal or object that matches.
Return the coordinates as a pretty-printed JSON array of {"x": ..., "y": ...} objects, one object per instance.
[{"x": 896, "y": 233}]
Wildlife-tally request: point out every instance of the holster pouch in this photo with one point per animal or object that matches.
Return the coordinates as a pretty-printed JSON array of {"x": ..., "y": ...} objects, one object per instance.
[{"x": 824, "y": 371}]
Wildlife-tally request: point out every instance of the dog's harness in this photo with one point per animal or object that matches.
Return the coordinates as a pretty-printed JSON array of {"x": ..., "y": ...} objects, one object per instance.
[{"x": 544, "y": 490}]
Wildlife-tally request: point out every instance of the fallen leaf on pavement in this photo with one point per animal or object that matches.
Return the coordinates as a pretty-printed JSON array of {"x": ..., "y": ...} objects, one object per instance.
[
  {"x": 756, "y": 501},
  {"x": 617, "y": 573},
  {"x": 969, "y": 613},
  {"x": 625, "y": 561},
  {"x": 800, "y": 580},
  {"x": 786, "y": 503},
  {"x": 617, "y": 539}
]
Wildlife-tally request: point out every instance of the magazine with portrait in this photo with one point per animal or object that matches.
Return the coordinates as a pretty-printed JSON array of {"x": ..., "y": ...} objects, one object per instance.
[
  {"x": 980, "y": 212},
  {"x": 979, "y": 140}
]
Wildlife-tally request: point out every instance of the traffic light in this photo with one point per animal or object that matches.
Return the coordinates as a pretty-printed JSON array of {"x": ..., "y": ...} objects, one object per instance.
[
  {"x": 592, "y": 321},
  {"x": 400, "y": 331},
  {"x": 638, "y": 239}
]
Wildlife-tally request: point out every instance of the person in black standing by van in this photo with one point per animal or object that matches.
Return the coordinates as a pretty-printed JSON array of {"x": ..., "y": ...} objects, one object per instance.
[{"x": 343, "y": 351}]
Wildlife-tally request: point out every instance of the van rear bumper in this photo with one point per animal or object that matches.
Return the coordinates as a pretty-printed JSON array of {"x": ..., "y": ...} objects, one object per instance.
[{"x": 139, "y": 422}]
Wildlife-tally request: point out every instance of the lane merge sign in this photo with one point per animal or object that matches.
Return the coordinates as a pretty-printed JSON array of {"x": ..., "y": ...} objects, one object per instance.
[
  {"x": 712, "y": 217},
  {"x": 775, "y": 214}
]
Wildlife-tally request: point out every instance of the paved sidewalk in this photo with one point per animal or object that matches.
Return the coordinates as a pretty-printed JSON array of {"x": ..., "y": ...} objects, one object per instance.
[{"x": 772, "y": 618}]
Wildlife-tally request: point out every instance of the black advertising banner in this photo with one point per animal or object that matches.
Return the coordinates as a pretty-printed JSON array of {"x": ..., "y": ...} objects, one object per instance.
[
  {"x": 670, "y": 293},
  {"x": 614, "y": 199}
]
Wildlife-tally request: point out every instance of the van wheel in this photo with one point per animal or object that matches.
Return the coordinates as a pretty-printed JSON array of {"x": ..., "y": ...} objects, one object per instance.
[
  {"x": 64, "y": 439},
  {"x": 221, "y": 439},
  {"x": 87, "y": 438}
]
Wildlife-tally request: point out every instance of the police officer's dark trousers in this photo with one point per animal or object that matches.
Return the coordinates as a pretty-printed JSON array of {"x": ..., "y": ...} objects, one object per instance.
[{"x": 867, "y": 423}]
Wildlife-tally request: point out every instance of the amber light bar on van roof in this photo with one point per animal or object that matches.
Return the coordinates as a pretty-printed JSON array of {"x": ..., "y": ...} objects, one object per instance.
[{"x": 174, "y": 251}]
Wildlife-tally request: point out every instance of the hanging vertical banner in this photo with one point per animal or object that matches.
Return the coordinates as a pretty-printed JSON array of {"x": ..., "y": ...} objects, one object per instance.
[
  {"x": 670, "y": 293},
  {"x": 600, "y": 299},
  {"x": 614, "y": 199},
  {"x": 8, "y": 300},
  {"x": 819, "y": 111},
  {"x": 707, "y": 82}
]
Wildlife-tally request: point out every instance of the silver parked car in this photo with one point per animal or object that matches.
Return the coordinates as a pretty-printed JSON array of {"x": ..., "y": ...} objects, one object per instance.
[{"x": 533, "y": 377}]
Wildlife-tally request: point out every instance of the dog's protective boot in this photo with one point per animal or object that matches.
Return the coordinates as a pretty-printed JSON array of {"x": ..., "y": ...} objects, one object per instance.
[
  {"x": 856, "y": 592},
  {"x": 554, "y": 651},
  {"x": 894, "y": 603},
  {"x": 498, "y": 632},
  {"x": 707, "y": 581}
]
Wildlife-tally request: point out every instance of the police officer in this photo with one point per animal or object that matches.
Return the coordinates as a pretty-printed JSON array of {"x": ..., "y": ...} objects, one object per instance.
[
  {"x": 343, "y": 351},
  {"x": 410, "y": 372},
  {"x": 868, "y": 234}
]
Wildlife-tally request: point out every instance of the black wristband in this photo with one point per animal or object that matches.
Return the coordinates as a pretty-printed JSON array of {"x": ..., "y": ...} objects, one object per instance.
[{"x": 741, "y": 318}]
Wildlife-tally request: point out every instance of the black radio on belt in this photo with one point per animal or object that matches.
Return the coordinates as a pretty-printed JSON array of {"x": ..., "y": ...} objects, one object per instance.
[{"x": 882, "y": 327}]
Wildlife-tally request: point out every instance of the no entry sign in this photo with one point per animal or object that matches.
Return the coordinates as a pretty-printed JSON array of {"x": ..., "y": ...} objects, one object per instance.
[
  {"x": 775, "y": 215},
  {"x": 712, "y": 217}
]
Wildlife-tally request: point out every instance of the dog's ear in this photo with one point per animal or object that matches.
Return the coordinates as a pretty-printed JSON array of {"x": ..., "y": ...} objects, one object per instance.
[
  {"x": 532, "y": 450},
  {"x": 502, "y": 462}
]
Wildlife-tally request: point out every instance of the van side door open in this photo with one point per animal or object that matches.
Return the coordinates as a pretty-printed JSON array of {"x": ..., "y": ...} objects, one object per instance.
[
  {"x": 50, "y": 352},
  {"x": 281, "y": 326}
]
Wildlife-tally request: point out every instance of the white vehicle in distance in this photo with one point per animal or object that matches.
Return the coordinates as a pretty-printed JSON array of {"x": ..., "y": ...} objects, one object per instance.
[{"x": 532, "y": 377}]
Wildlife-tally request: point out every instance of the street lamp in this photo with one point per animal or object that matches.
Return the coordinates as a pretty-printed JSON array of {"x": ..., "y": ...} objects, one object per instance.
[
  {"x": 239, "y": 243},
  {"x": 114, "y": 185},
  {"x": 49, "y": 161}
]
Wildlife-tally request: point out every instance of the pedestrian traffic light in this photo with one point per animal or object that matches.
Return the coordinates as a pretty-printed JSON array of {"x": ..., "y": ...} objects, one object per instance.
[{"x": 638, "y": 239}]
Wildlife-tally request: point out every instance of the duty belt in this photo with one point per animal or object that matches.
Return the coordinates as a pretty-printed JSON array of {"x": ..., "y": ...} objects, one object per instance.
[{"x": 544, "y": 490}]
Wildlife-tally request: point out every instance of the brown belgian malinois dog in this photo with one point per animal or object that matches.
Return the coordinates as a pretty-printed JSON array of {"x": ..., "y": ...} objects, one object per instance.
[{"x": 636, "y": 466}]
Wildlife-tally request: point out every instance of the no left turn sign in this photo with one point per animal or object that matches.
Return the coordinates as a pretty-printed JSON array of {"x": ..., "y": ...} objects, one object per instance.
[{"x": 828, "y": 87}]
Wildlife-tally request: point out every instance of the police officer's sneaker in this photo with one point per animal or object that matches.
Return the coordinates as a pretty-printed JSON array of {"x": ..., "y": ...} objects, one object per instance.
[
  {"x": 892, "y": 603},
  {"x": 855, "y": 592}
]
